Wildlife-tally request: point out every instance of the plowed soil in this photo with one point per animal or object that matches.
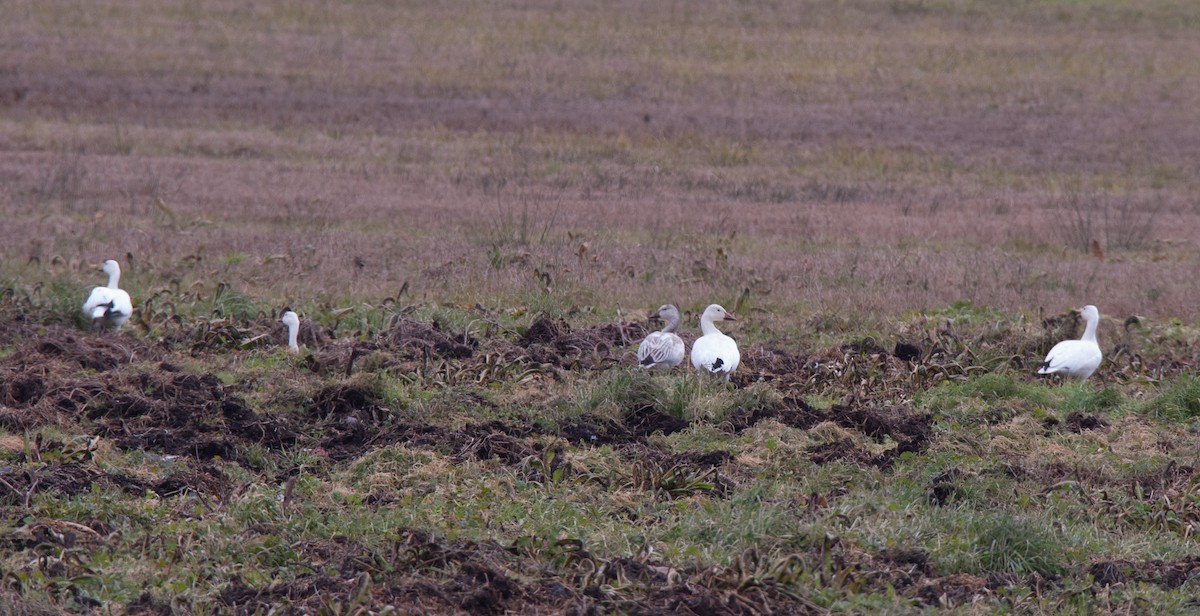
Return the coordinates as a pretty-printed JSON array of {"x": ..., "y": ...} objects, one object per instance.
[{"x": 135, "y": 397}]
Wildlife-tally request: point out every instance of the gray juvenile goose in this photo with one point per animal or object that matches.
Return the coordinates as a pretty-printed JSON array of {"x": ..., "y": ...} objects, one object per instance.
[{"x": 663, "y": 349}]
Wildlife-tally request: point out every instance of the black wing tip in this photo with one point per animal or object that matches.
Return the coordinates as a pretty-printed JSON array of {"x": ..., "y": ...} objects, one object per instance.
[{"x": 717, "y": 363}]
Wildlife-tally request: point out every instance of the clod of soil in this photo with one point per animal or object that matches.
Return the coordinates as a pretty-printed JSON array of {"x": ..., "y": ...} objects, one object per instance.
[
  {"x": 910, "y": 431},
  {"x": 1167, "y": 574},
  {"x": 548, "y": 341},
  {"x": 943, "y": 488},
  {"x": 1078, "y": 422},
  {"x": 410, "y": 335},
  {"x": 646, "y": 420},
  {"x": 907, "y": 352},
  {"x": 92, "y": 352},
  {"x": 343, "y": 399},
  {"x": 866, "y": 346},
  {"x": 914, "y": 558},
  {"x": 544, "y": 330},
  {"x": 184, "y": 414},
  {"x": 952, "y": 591}
]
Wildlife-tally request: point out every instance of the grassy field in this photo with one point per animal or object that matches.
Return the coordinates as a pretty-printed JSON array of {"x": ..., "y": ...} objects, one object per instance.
[{"x": 474, "y": 207}]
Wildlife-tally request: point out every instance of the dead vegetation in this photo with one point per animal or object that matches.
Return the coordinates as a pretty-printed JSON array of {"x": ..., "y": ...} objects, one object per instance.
[{"x": 130, "y": 397}]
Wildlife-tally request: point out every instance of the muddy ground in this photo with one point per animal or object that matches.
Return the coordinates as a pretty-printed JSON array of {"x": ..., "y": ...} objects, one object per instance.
[{"x": 125, "y": 392}]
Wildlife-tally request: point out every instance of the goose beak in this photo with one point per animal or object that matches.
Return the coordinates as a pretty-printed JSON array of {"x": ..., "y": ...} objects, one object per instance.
[{"x": 729, "y": 316}]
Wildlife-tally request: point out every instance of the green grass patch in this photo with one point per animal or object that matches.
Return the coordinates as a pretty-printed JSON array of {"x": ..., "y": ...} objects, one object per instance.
[{"x": 1179, "y": 400}]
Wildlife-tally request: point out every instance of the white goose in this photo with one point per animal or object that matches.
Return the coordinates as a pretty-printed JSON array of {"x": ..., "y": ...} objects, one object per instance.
[
  {"x": 1076, "y": 358},
  {"x": 292, "y": 321},
  {"x": 715, "y": 352},
  {"x": 663, "y": 349},
  {"x": 109, "y": 306}
]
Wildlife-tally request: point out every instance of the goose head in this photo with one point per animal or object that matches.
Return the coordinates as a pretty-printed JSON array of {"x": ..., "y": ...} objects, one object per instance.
[
  {"x": 292, "y": 321},
  {"x": 716, "y": 313},
  {"x": 668, "y": 313}
]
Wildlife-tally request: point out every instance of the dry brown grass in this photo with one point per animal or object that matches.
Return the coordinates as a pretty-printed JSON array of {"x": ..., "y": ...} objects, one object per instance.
[{"x": 866, "y": 157}]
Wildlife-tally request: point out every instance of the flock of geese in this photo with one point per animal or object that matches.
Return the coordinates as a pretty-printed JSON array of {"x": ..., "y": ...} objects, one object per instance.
[
  {"x": 713, "y": 352},
  {"x": 717, "y": 353}
]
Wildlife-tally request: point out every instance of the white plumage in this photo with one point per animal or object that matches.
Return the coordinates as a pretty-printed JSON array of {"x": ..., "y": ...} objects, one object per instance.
[
  {"x": 109, "y": 306},
  {"x": 292, "y": 321},
  {"x": 1076, "y": 358},
  {"x": 715, "y": 352},
  {"x": 663, "y": 349}
]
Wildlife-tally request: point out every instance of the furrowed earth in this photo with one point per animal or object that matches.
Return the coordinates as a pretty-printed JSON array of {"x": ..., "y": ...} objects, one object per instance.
[{"x": 118, "y": 444}]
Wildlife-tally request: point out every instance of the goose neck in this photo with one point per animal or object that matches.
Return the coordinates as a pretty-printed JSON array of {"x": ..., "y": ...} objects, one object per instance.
[
  {"x": 707, "y": 327},
  {"x": 114, "y": 279},
  {"x": 672, "y": 324},
  {"x": 293, "y": 334},
  {"x": 1089, "y": 333}
]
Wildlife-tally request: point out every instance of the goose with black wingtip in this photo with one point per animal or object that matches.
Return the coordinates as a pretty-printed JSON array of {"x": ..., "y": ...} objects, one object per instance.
[
  {"x": 663, "y": 349},
  {"x": 1076, "y": 358},
  {"x": 109, "y": 306},
  {"x": 715, "y": 352}
]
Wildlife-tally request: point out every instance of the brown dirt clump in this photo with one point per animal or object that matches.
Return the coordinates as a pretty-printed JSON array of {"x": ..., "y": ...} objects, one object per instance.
[
  {"x": 952, "y": 591},
  {"x": 637, "y": 423},
  {"x": 20, "y": 389},
  {"x": 1171, "y": 481},
  {"x": 99, "y": 353},
  {"x": 907, "y": 352},
  {"x": 843, "y": 450},
  {"x": 594, "y": 430},
  {"x": 428, "y": 574},
  {"x": 349, "y": 438},
  {"x": 645, "y": 420},
  {"x": 550, "y": 341},
  {"x": 944, "y": 487},
  {"x": 67, "y": 479},
  {"x": 341, "y": 399},
  {"x": 1162, "y": 573},
  {"x": 793, "y": 412},
  {"x": 544, "y": 330},
  {"x": 185, "y": 414},
  {"x": 910, "y": 431},
  {"x": 1078, "y": 422},
  {"x": 418, "y": 338}
]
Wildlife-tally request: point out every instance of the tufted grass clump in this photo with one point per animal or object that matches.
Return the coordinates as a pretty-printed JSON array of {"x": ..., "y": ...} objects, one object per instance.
[
  {"x": 1089, "y": 400},
  {"x": 1179, "y": 400},
  {"x": 1004, "y": 544},
  {"x": 623, "y": 389}
]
